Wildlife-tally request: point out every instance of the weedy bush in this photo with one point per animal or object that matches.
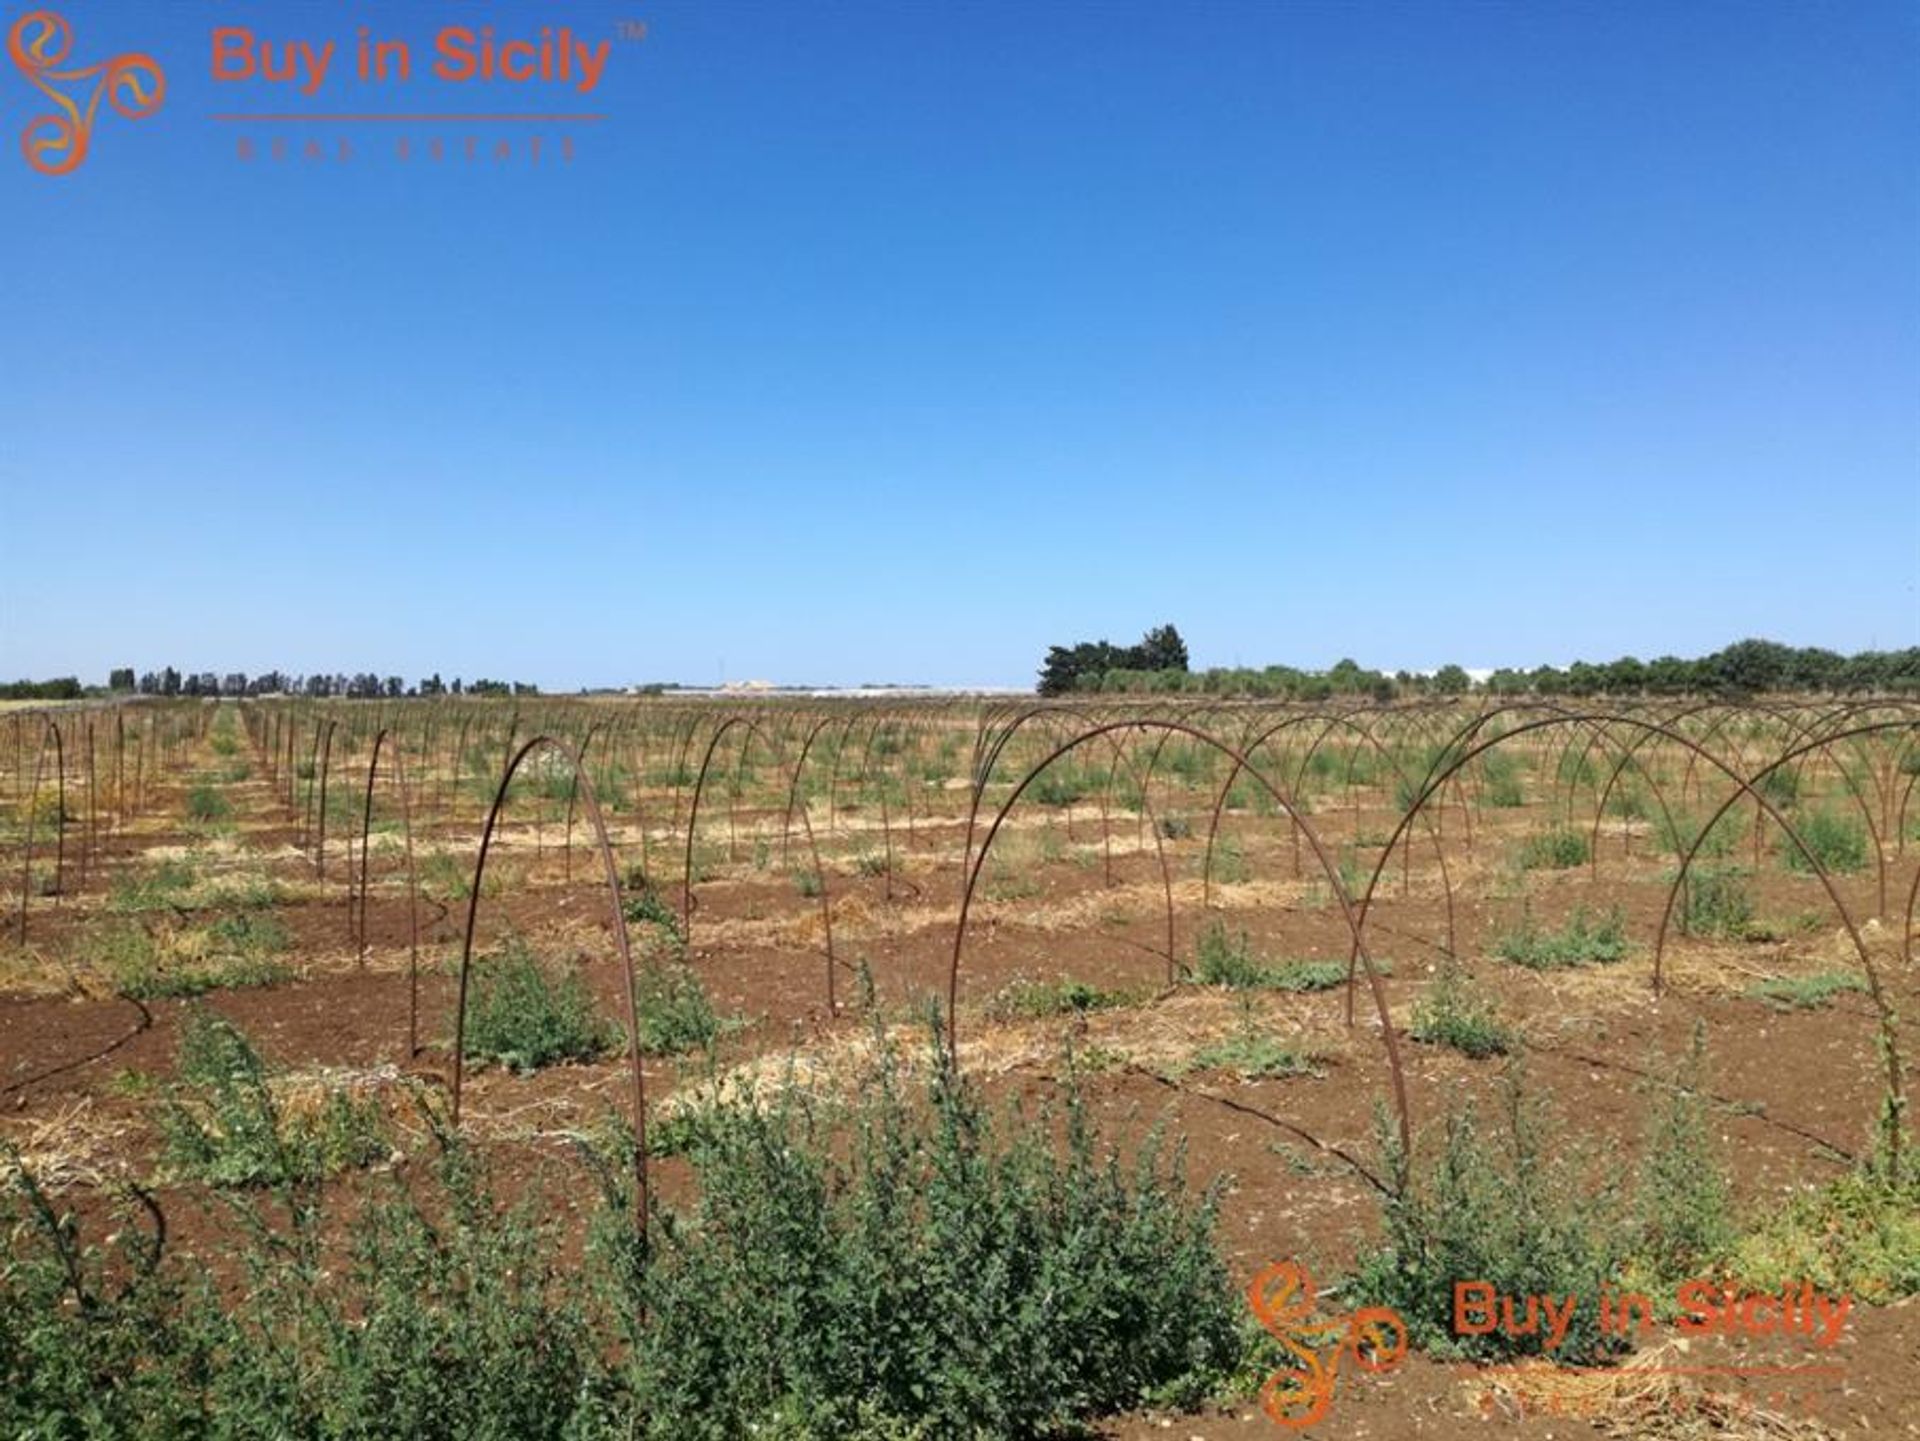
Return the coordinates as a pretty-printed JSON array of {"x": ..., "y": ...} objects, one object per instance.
[
  {"x": 1806, "y": 993},
  {"x": 224, "y": 1125},
  {"x": 1838, "y": 842},
  {"x": 808, "y": 884},
  {"x": 645, "y": 906},
  {"x": 1858, "y": 1235},
  {"x": 1230, "y": 863},
  {"x": 522, "y": 1014},
  {"x": 1451, "y": 1013},
  {"x": 1500, "y": 780},
  {"x": 1224, "y": 959},
  {"x": 1584, "y": 940},
  {"x": 207, "y": 804},
  {"x": 152, "y": 888},
  {"x": 1682, "y": 1208},
  {"x": 235, "y": 952},
  {"x": 1062, "y": 785},
  {"x": 1676, "y": 831},
  {"x": 441, "y": 1319},
  {"x": 1716, "y": 903},
  {"x": 1781, "y": 786},
  {"x": 1031, "y": 1000},
  {"x": 1250, "y": 1053},
  {"x": 1559, "y": 849},
  {"x": 1520, "y": 1212},
  {"x": 933, "y": 1275},
  {"x": 1175, "y": 827},
  {"x": 676, "y": 1014},
  {"x": 873, "y": 863}
]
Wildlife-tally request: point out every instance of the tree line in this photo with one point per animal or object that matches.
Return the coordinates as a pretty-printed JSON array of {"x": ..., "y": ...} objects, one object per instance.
[
  {"x": 1747, "y": 667},
  {"x": 171, "y": 682}
]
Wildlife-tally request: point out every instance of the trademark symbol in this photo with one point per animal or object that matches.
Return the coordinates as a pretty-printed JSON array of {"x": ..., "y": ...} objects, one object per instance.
[{"x": 631, "y": 29}]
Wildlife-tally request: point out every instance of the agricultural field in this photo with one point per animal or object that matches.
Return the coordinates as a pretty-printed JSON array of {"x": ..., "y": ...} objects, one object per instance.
[{"x": 584, "y": 1067}]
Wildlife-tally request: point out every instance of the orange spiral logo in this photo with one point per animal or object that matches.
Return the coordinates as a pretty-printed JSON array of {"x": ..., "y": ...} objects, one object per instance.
[
  {"x": 56, "y": 144},
  {"x": 1282, "y": 1299}
]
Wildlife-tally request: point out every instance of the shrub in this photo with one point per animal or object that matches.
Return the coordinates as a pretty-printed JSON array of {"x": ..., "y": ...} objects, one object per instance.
[
  {"x": 1030, "y": 1000},
  {"x": 235, "y": 952},
  {"x": 1805, "y": 993},
  {"x": 204, "y": 803},
  {"x": 1522, "y": 1214},
  {"x": 675, "y": 1012},
  {"x": 1838, "y": 842},
  {"x": 225, "y": 1125},
  {"x": 946, "y": 1278},
  {"x": 1558, "y": 849},
  {"x": 1716, "y": 903},
  {"x": 1221, "y": 959},
  {"x": 1450, "y": 1014},
  {"x": 441, "y": 1318},
  {"x": 1676, "y": 832},
  {"x": 1250, "y": 1053},
  {"x": 1583, "y": 940},
  {"x": 645, "y": 906},
  {"x": 524, "y": 1015},
  {"x": 808, "y": 884},
  {"x": 1858, "y": 1235},
  {"x": 1682, "y": 1204}
]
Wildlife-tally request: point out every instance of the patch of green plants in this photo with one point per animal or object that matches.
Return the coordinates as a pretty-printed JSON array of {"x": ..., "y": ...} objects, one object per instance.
[
  {"x": 1251, "y": 1054},
  {"x": 1858, "y": 1235},
  {"x": 1500, "y": 780},
  {"x": 1837, "y": 841},
  {"x": 236, "y": 952},
  {"x": 524, "y": 1013},
  {"x": 440, "y": 1313},
  {"x": 225, "y": 1125},
  {"x": 1676, "y": 831},
  {"x": 1558, "y": 849},
  {"x": 808, "y": 883},
  {"x": 1530, "y": 1210},
  {"x": 1032, "y": 1000},
  {"x": 1230, "y": 862},
  {"x": 1716, "y": 903},
  {"x": 1806, "y": 993},
  {"x": 1585, "y": 939},
  {"x": 1452, "y": 1013},
  {"x": 152, "y": 888},
  {"x": 206, "y": 804},
  {"x": 936, "y": 1273},
  {"x": 1224, "y": 958},
  {"x": 645, "y": 906},
  {"x": 676, "y": 1014}
]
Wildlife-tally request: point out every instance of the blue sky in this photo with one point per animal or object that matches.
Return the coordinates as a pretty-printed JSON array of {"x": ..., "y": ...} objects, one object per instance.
[{"x": 896, "y": 342}]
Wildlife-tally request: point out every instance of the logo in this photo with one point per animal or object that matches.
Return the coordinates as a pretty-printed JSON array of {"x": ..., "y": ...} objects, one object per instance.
[
  {"x": 1282, "y": 1299},
  {"x": 57, "y": 144}
]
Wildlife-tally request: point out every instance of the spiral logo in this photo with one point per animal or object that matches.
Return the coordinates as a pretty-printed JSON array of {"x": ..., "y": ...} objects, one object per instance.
[
  {"x": 57, "y": 144},
  {"x": 1282, "y": 1300}
]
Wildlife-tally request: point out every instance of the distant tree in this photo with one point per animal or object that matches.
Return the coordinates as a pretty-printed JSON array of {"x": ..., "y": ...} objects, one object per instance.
[
  {"x": 1750, "y": 665},
  {"x": 1452, "y": 680},
  {"x": 121, "y": 680},
  {"x": 1161, "y": 649}
]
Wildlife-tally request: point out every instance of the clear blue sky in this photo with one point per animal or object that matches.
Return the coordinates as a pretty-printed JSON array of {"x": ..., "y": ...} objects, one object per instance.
[{"x": 867, "y": 342}]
